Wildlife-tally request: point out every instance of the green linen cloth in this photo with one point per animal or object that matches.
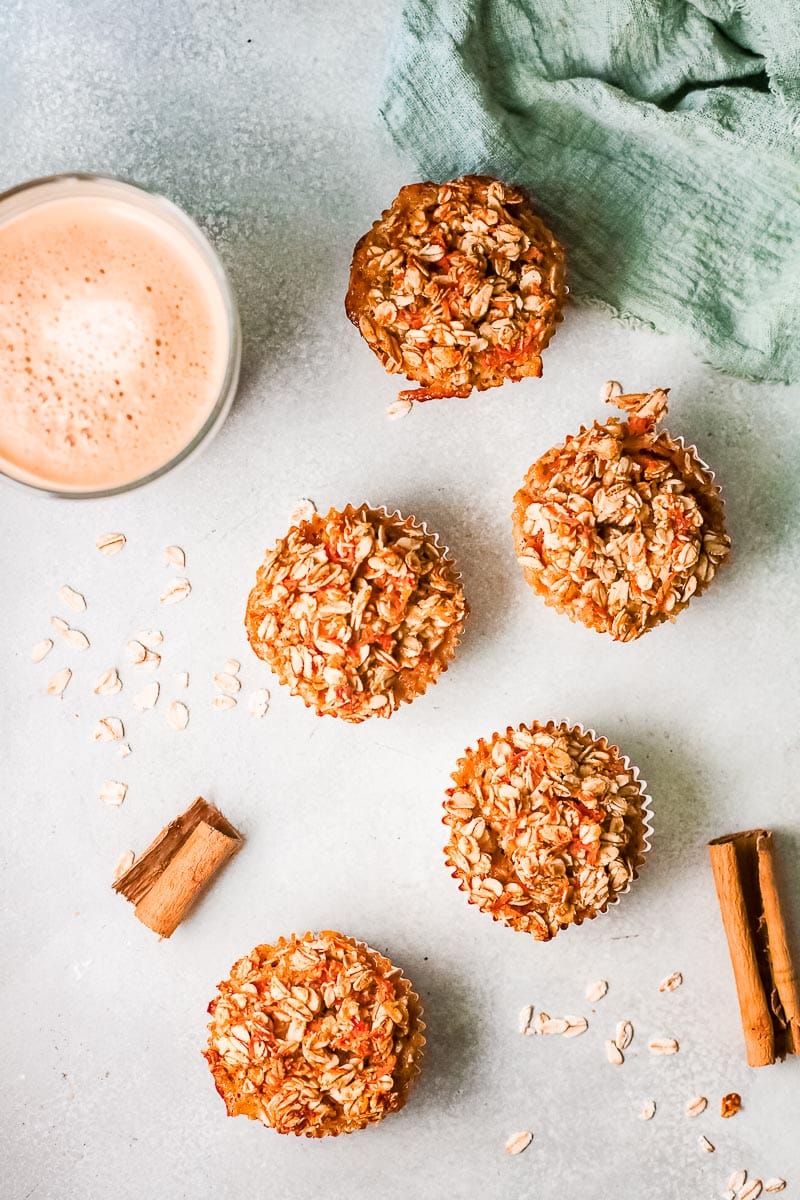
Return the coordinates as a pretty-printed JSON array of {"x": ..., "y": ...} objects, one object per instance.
[{"x": 659, "y": 137}]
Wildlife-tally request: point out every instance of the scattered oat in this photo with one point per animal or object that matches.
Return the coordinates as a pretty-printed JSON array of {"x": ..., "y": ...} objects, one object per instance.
[
  {"x": 663, "y": 1046},
  {"x": 400, "y": 408},
  {"x": 737, "y": 1180},
  {"x": 109, "y": 683},
  {"x": 731, "y": 1104},
  {"x": 151, "y": 637},
  {"x": 775, "y": 1185},
  {"x": 554, "y": 1025},
  {"x": 124, "y": 750},
  {"x": 147, "y": 697},
  {"x": 176, "y": 556},
  {"x": 226, "y": 683},
  {"x": 175, "y": 591},
  {"x": 182, "y": 679},
  {"x": 751, "y": 1191},
  {"x": 137, "y": 652},
  {"x": 124, "y": 864},
  {"x": 72, "y": 598},
  {"x": 223, "y": 702},
  {"x": 524, "y": 1019},
  {"x": 609, "y": 391},
  {"x": 108, "y": 729},
  {"x": 112, "y": 792},
  {"x": 575, "y": 1026},
  {"x": 110, "y": 543},
  {"x": 75, "y": 639},
  {"x": 614, "y": 1054},
  {"x": 706, "y": 1145},
  {"x": 596, "y": 991},
  {"x": 302, "y": 511},
  {"x": 232, "y": 666},
  {"x": 142, "y": 656},
  {"x": 259, "y": 703},
  {"x": 648, "y": 1110},
  {"x": 624, "y": 1034},
  {"x": 41, "y": 650},
  {"x": 57, "y": 684},
  {"x": 672, "y": 982},
  {"x": 178, "y": 715},
  {"x": 697, "y": 1105},
  {"x": 519, "y": 1142},
  {"x": 538, "y": 1021}
]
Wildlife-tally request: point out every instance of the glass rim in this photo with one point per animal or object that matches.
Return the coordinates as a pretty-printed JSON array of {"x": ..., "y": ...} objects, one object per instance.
[{"x": 227, "y": 388}]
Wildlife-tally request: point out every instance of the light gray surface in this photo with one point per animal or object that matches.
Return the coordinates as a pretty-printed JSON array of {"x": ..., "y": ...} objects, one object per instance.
[{"x": 272, "y": 144}]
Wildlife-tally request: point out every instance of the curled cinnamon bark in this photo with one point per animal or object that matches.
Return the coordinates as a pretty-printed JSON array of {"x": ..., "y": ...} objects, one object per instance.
[
  {"x": 766, "y": 978},
  {"x": 178, "y": 865}
]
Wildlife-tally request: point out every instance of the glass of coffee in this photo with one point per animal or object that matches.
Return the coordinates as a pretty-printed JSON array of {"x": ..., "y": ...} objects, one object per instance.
[{"x": 120, "y": 342}]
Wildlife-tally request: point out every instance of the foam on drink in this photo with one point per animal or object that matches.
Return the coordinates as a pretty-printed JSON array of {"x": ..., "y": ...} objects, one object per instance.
[{"x": 114, "y": 342}]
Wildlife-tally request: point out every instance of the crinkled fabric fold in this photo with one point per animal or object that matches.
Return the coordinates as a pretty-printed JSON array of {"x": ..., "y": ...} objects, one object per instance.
[{"x": 660, "y": 138}]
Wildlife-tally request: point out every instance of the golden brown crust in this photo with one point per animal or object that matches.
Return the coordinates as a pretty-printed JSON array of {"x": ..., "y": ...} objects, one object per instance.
[
  {"x": 458, "y": 286},
  {"x": 315, "y": 1035},
  {"x": 547, "y": 826},
  {"x": 621, "y": 525},
  {"x": 356, "y": 611}
]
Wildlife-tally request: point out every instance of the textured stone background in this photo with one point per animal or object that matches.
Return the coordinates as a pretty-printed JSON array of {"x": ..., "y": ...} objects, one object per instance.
[{"x": 260, "y": 119}]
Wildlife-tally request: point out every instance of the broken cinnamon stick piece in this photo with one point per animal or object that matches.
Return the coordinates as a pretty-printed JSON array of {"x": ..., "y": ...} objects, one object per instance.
[
  {"x": 766, "y": 979},
  {"x": 173, "y": 871}
]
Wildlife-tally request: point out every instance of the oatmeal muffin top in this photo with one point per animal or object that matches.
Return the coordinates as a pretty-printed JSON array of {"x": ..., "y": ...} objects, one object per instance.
[
  {"x": 316, "y": 1035},
  {"x": 458, "y": 286},
  {"x": 621, "y": 525},
  {"x": 356, "y": 611},
  {"x": 547, "y": 826}
]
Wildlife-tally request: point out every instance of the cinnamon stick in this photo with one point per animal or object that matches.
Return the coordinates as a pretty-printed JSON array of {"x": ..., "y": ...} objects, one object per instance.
[
  {"x": 784, "y": 972},
  {"x": 173, "y": 871},
  {"x": 766, "y": 978}
]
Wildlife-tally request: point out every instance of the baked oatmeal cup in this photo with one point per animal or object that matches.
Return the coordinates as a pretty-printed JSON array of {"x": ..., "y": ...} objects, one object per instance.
[
  {"x": 315, "y": 1035},
  {"x": 357, "y": 611},
  {"x": 548, "y": 825},
  {"x": 621, "y": 525},
  {"x": 458, "y": 285}
]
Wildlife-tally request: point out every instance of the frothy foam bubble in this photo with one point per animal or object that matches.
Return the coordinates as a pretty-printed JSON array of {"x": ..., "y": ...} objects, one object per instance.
[{"x": 110, "y": 335}]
